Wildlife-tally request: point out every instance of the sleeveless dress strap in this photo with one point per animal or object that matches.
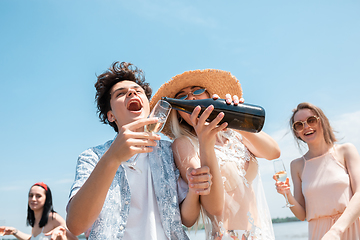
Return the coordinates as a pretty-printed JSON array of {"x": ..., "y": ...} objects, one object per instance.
[
  {"x": 335, "y": 156},
  {"x": 333, "y": 148}
]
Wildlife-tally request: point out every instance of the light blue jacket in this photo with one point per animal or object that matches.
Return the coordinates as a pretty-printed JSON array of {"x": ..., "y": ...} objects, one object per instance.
[{"x": 111, "y": 222}]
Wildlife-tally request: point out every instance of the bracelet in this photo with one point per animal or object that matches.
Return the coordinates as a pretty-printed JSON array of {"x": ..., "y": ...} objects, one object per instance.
[{"x": 14, "y": 233}]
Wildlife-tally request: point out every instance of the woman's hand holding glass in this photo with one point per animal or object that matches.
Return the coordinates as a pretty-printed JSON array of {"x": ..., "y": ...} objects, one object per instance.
[
  {"x": 282, "y": 187},
  {"x": 282, "y": 181}
]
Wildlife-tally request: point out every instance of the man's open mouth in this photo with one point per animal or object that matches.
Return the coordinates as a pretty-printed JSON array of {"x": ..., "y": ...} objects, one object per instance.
[{"x": 134, "y": 105}]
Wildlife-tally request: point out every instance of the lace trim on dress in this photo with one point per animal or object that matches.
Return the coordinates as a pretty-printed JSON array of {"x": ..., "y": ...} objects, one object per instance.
[
  {"x": 233, "y": 157},
  {"x": 234, "y": 152},
  {"x": 253, "y": 234}
]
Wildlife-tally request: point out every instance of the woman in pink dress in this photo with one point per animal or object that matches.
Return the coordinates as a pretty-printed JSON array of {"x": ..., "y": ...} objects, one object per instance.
[{"x": 326, "y": 179}]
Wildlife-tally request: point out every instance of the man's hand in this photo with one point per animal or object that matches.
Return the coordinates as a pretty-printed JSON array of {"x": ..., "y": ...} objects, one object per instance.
[
  {"x": 131, "y": 141},
  {"x": 199, "y": 180}
]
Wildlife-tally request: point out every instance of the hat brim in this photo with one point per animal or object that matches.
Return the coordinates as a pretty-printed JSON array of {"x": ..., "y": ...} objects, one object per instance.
[{"x": 215, "y": 81}]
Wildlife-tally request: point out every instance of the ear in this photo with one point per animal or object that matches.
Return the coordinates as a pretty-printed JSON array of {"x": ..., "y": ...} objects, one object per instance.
[{"x": 110, "y": 116}]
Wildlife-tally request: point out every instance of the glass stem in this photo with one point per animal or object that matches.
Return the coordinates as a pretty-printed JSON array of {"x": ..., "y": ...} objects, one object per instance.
[{"x": 287, "y": 202}]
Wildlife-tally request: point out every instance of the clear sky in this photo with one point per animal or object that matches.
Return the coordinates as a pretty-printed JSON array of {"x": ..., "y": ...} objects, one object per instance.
[{"x": 283, "y": 53}]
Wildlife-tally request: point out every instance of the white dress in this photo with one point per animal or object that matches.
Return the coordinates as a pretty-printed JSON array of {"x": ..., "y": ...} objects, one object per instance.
[
  {"x": 246, "y": 214},
  {"x": 40, "y": 236}
]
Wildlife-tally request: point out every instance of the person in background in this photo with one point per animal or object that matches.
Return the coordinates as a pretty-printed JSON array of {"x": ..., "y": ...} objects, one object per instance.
[
  {"x": 108, "y": 196},
  {"x": 45, "y": 222},
  {"x": 236, "y": 207},
  {"x": 326, "y": 178}
]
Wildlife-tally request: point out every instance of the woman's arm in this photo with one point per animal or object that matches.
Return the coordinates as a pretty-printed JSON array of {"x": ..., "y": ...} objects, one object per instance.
[
  {"x": 261, "y": 145},
  {"x": 298, "y": 199},
  {"x": 207, "y": 133},
  {"x": 352, "y": 211},
  {"x": 186, "y": 160},
  {"x": 284, "y": 188},
  {"x": 199, "y": 181},
  {"x": 16, "y": 233}
]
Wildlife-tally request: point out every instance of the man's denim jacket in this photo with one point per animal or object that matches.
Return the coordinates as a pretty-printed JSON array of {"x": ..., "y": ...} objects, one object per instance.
[{"x": 111, "y": 222}]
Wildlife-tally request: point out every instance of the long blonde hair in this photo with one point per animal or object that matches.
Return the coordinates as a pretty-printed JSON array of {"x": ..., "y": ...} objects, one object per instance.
[{"x": 179, "y": 127}]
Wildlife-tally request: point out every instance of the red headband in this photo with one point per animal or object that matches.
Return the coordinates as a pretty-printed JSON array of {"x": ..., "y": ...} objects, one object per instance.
[{"x": 41, "y": 184}]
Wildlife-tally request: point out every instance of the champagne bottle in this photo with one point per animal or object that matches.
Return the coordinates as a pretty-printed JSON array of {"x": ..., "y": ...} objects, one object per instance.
[{"x": 244, "y": 117}]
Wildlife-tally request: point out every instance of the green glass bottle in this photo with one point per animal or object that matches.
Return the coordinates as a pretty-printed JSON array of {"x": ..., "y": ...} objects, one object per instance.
[{"x": 244, "y": 117}]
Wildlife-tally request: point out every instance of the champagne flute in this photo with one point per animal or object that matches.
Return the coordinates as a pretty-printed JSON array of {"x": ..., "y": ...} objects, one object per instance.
[
  {"x": 161, "y": 111},
  {"x": 281, "y": 175}
]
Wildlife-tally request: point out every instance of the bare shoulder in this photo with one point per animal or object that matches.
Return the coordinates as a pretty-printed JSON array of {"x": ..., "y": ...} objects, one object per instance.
[
  {"x": 346, "y": 147},
  {"x": 184, "y": 153},
  {"x": 182, "y": 140},
  {"x": 297, "y": 162},
  {"x": 297, "y": 165},
  {"x": 55, "y": 219},
  {"x": 348, "y": 152},
  {"x": 183, "y": 144}
]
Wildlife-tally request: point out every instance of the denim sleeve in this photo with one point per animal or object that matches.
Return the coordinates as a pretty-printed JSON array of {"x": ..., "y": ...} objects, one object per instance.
[{"x": 85, "y": 165}]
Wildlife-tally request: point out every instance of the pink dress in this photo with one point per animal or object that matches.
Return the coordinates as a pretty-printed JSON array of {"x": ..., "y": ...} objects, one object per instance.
[{"x": 327, "y": 191}]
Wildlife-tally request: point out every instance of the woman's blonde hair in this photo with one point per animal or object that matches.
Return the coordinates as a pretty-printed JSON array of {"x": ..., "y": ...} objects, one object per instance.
[
  {"x": 179, "y": 127},
  {"x": 328, "y": 131}
]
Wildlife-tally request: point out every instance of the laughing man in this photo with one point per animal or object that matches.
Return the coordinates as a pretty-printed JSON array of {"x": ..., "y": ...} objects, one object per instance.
[{"x": 113, "y": 200}]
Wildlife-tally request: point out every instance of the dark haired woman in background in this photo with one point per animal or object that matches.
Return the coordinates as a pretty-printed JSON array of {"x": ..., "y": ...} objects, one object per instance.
[{"x": 45, "y": 222}]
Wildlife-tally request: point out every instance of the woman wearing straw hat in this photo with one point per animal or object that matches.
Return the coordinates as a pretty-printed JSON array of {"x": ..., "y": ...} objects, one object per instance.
[{"x": 236, "y": 201}]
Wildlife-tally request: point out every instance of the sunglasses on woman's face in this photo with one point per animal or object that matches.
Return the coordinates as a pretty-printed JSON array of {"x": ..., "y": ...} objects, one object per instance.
[
  {"x": 311, "y": 121},
  {"x": 195, "y": 93}
]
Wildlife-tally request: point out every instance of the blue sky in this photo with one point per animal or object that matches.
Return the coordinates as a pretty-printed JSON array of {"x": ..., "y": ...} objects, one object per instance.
[{"x": 283, "y": 53}]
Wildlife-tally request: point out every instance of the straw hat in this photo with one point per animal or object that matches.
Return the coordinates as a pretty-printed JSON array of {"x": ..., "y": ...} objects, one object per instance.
[{"x": 215, "y": 81}]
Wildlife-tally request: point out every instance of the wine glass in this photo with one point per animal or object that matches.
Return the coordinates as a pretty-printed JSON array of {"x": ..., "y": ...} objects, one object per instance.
[
  {"x": 281, "y": 175},
  {"x": 161, "y": 112}
]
